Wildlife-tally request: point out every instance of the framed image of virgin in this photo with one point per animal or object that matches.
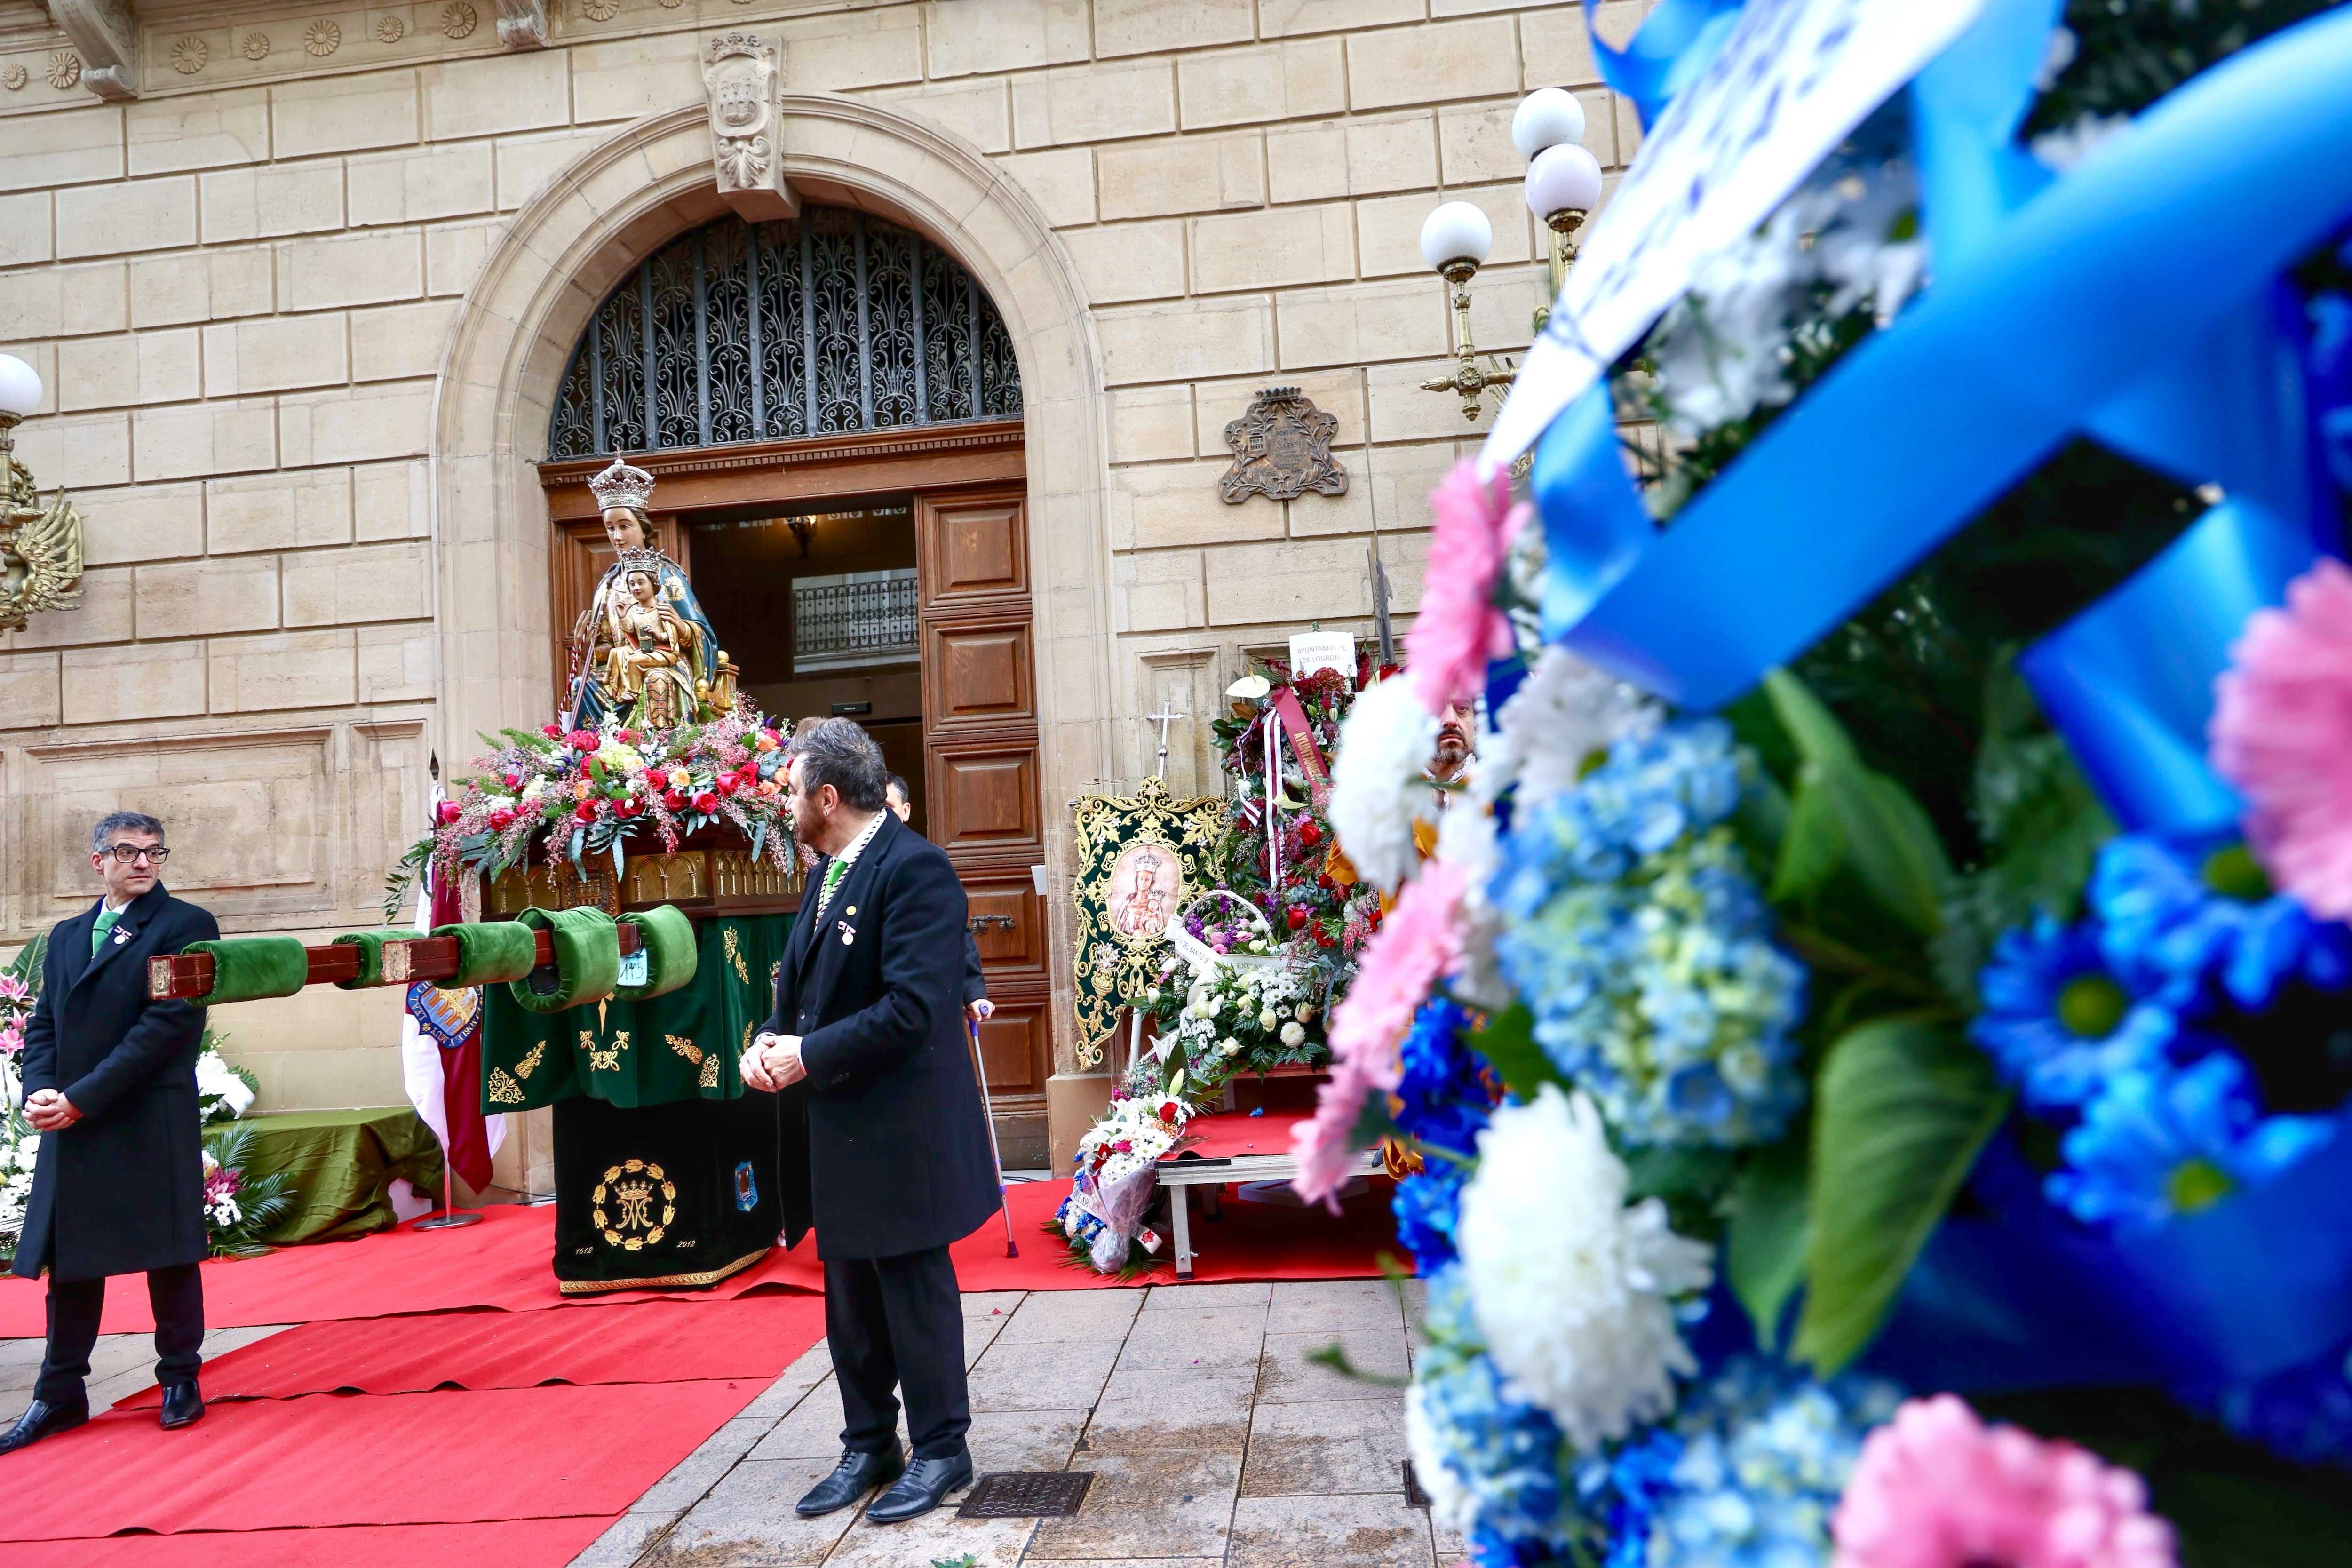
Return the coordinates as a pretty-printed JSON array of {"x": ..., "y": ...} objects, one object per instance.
[{"x": 1141, "y": 858}]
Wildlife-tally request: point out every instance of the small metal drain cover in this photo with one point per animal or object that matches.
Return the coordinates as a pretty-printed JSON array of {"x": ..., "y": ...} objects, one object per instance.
[{"x": 1027, "y": 1494}]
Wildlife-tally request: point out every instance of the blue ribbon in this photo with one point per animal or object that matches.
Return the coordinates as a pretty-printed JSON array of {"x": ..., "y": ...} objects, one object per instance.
[
  {"x": 1595, "y": 526},
  {"x": 1670, "y": 48},
  {"x": 2144, "y": 252}
]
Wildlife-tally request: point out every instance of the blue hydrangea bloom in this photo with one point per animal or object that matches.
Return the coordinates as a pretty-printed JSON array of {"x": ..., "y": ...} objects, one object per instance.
[
  {"x": 2058, "y": 1022},
  {"x": 1442, "y": 1102},
  {"x": 1746, "y": 1475},
  {"x": 2156, "y": 1142},
  {"x": 1427, "y": 1205},
  {"x": 1637, "y": 936},
  {"x": 2165, "y": 926},
  {"x": 2304, "y": 1413},
  {"x": 1508, "y": 1454}
]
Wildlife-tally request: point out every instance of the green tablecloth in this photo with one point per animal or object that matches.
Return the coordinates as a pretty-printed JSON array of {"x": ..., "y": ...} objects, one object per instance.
[{"x": 341, "y": 1163}]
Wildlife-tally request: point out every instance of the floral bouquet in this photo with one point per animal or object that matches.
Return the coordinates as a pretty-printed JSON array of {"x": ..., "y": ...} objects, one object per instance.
[
  {"x": 568, "y": 795},
  {"x": 1895, "y": 943},
  {"x": 1102, "y": 1218},
  {"x": 238, "y": 1209}
]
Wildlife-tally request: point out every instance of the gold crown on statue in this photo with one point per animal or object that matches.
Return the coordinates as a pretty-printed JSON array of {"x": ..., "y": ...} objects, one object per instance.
[{"x": 623, "y": 484}]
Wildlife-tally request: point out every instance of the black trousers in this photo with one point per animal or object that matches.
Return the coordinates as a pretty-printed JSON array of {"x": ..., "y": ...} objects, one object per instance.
[
  {"x": 176, "y": 1297},
  {"x": 897, "y": 1323}
]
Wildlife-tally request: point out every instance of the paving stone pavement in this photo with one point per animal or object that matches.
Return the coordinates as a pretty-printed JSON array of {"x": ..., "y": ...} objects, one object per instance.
[{"x": 1213, "y": 1441}]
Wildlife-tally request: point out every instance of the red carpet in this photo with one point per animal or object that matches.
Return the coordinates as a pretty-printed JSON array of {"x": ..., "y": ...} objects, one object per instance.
[
  {"x": 1232, "y": 1132},
  {"x": 402, "y": 1458},
  {"x": 655, "y": 1343},
  {"x": 509, "y": 1543}
]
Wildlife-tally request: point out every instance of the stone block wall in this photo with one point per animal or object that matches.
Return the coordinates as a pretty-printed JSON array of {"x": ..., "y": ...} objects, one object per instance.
[{"x": 239, "y": 288}]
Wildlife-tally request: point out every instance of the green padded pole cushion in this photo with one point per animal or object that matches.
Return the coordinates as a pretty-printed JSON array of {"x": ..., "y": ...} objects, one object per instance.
[
  {"x": 370, "y": 946},
  {"x": 489, "y": 952},
  {"x": 587, "y": 959},
  {"x": 669, "y": 950},
  {"x": 246, "y": 968}
]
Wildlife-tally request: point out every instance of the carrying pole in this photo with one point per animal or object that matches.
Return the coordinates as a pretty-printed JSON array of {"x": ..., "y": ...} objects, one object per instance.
[{"x": 988, "y": 1109}]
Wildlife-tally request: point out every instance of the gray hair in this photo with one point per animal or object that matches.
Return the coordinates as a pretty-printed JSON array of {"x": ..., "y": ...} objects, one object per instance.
[
  {"x": 115, "y": 821},
  {"x": 838, "y": 751}
]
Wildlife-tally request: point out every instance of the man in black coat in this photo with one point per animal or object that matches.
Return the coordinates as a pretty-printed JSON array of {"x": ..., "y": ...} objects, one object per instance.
[
  {"x": 976, "y": 1005},
  {"x": 885, "y": 1139},
  {"x": 110, "y": 1082}
]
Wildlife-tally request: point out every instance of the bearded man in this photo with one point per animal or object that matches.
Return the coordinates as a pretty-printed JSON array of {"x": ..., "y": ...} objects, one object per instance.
[{"x": 885, "y": 1139}]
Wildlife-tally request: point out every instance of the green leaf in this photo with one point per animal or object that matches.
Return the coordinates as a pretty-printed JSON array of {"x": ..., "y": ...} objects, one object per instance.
[
  {"x": 1818, "y": 736},
  {"x": 1509, "y": 1042},
  {"x": 1760, "y": 821},
  {"x": 1813, "y": 845},
  {"x": 1905, "y": 1106},
  {"x": 1765, "y": 1240}
]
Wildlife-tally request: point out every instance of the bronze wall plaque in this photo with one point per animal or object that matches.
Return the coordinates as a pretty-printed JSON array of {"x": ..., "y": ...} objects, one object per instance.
[{"x": 1282, "y": 449}]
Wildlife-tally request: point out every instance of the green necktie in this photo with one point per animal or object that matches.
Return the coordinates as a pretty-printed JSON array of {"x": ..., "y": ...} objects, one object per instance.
[
  {"x": 833, "y": 871},
  {"x": 106, "y": 919}
]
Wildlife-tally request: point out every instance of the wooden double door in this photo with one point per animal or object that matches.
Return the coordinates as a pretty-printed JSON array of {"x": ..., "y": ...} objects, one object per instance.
[{"x": 981, "y": 775}]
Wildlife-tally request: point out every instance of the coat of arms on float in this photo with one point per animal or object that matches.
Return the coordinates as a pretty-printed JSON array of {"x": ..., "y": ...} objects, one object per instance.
[{"x": 1141, "y": 859}]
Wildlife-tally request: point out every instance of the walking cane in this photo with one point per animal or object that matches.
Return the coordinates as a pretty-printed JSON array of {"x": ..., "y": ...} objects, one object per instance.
[{"x": 988, "y": 1108}]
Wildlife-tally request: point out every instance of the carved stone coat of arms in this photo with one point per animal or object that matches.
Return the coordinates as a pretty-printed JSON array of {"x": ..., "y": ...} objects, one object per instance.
[{"x": 1282, "y": 449}]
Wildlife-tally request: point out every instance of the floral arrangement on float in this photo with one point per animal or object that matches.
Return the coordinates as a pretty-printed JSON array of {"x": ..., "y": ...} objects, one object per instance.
[
  {"x": 224, "y": 1092},
  {"x": 240, "y": 1209},
  {"x": 559, "y": 796},
  {"x": 1878, "y": 1024}
]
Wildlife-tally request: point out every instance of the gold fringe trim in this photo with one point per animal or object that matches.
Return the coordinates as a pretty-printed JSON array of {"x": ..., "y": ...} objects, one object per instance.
[{"x": 666, "y": 1281}]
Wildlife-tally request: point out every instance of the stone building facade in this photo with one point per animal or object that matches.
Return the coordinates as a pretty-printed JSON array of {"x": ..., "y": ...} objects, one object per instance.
[{"x": 300, "y": 282}]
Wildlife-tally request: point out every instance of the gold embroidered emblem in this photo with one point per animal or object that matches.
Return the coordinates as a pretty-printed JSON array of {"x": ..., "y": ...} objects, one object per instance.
[
  {"x": 504, "y": 1090},
  {"x": 710, "y": 1078},
  {"x": 687, "y": 1049},
  {"x": 622, "y": 1206},
  {"x": 774, "y": 970},
  {"x": 734, "y": 953},
  {"x": 529, "y": 1063},
  {"x": 608, "y": 1060}
]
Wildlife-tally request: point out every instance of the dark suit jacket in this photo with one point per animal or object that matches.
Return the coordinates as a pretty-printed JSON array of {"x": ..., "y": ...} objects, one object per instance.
[
  {"x": 885, "y": 1144},
  {"x": 121, "y": 1190}
]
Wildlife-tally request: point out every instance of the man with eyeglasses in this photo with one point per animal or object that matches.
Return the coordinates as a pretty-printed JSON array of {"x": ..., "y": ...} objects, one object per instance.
[{"x": 111, "y": 1083}]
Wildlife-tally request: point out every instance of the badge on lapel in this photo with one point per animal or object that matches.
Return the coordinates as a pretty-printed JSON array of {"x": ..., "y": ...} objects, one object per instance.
[
  {"x": 122, "y": 936},
  {"x": 849, "y": 932}
]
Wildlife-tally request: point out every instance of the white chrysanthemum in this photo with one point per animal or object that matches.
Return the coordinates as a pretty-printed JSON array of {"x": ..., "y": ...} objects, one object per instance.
[
  {"x": 1294, "y": 1034},
  {"x": 1565, "y": 712},
  {"x": 1378, "y": 781},
  {"x": 1572, "y": 1287},
  {"x": 1450, "y": 1502},
  {"x": 216, "y": 1081}
]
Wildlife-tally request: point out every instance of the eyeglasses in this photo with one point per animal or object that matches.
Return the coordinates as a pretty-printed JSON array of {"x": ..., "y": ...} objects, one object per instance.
[{"x": 126, "y": 853}]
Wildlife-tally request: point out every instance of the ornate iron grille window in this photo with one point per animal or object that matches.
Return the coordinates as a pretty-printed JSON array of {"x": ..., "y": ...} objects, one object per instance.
[
  {"x": 853, "y": 618},
  {"x": 831, "y": 323}
]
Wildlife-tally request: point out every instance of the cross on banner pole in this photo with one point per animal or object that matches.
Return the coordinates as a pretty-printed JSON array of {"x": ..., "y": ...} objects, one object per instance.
[{"x": 1164, "y": 718}]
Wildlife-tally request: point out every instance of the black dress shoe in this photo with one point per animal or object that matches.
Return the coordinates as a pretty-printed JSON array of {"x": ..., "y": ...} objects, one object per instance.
[
  {"x": 183, "y": 1404},
  {"x": 39, "y": 1420},
  {"x": 850, "y": 1479},
  {"x": 921, "y": 1489}
]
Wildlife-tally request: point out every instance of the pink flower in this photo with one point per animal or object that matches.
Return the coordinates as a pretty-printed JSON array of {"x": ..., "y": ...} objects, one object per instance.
[
  {"x": 12, "y": 989},
  {"x": 1458, "y": 628},
  {"x": 2282, "y": 732},
  {"x": 1421, "y": 944},
  {"x": 1935, "y": 1487}
]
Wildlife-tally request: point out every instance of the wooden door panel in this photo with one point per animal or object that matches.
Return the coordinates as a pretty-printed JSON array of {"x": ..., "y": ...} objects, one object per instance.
[
  {"x": 1011, "y": 931},
  {"x": 980, "y": 670},
  {"x": 1016, "y": 1047},
  {"x": 984, "y": 797},
  {"x": 973, "y": 544}
]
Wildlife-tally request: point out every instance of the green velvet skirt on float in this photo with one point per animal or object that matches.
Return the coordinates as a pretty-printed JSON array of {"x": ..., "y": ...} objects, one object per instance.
[{"x": 677, "y": 1047}]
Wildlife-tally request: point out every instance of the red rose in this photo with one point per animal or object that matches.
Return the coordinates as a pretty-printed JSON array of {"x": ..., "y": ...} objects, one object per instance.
[
  {"x": 747, "y": 773},
  {"x": 1298, "y": 917},
  {"x": 627, "y": 808},
  {"x": 582, "y": 741},
  {"x": 673, "y": 800},
  {"x": 1308, "y": 833},
  {"x": 706, "y": 802},
  {"x": 449, "y": 810},
  {"x": 552, "y": 731},
  {"x": 1170, "y": 1111},
  {"x": 514, "y": 781},
  {"x": 501, "y": 819},
  {"x": 627, "y": 737},
  {"x": 585, "y": 811}
]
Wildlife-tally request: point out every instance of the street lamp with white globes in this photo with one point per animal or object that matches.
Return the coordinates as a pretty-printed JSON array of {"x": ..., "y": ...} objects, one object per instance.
[
  {"x": 40, "y": 551},
  {"x": 1563, "y": 182},
  {"x": 1454, "y": 241}
]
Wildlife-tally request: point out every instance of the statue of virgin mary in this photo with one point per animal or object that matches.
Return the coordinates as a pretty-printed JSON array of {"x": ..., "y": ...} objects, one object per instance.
[{"x": 642, "y": 652}]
